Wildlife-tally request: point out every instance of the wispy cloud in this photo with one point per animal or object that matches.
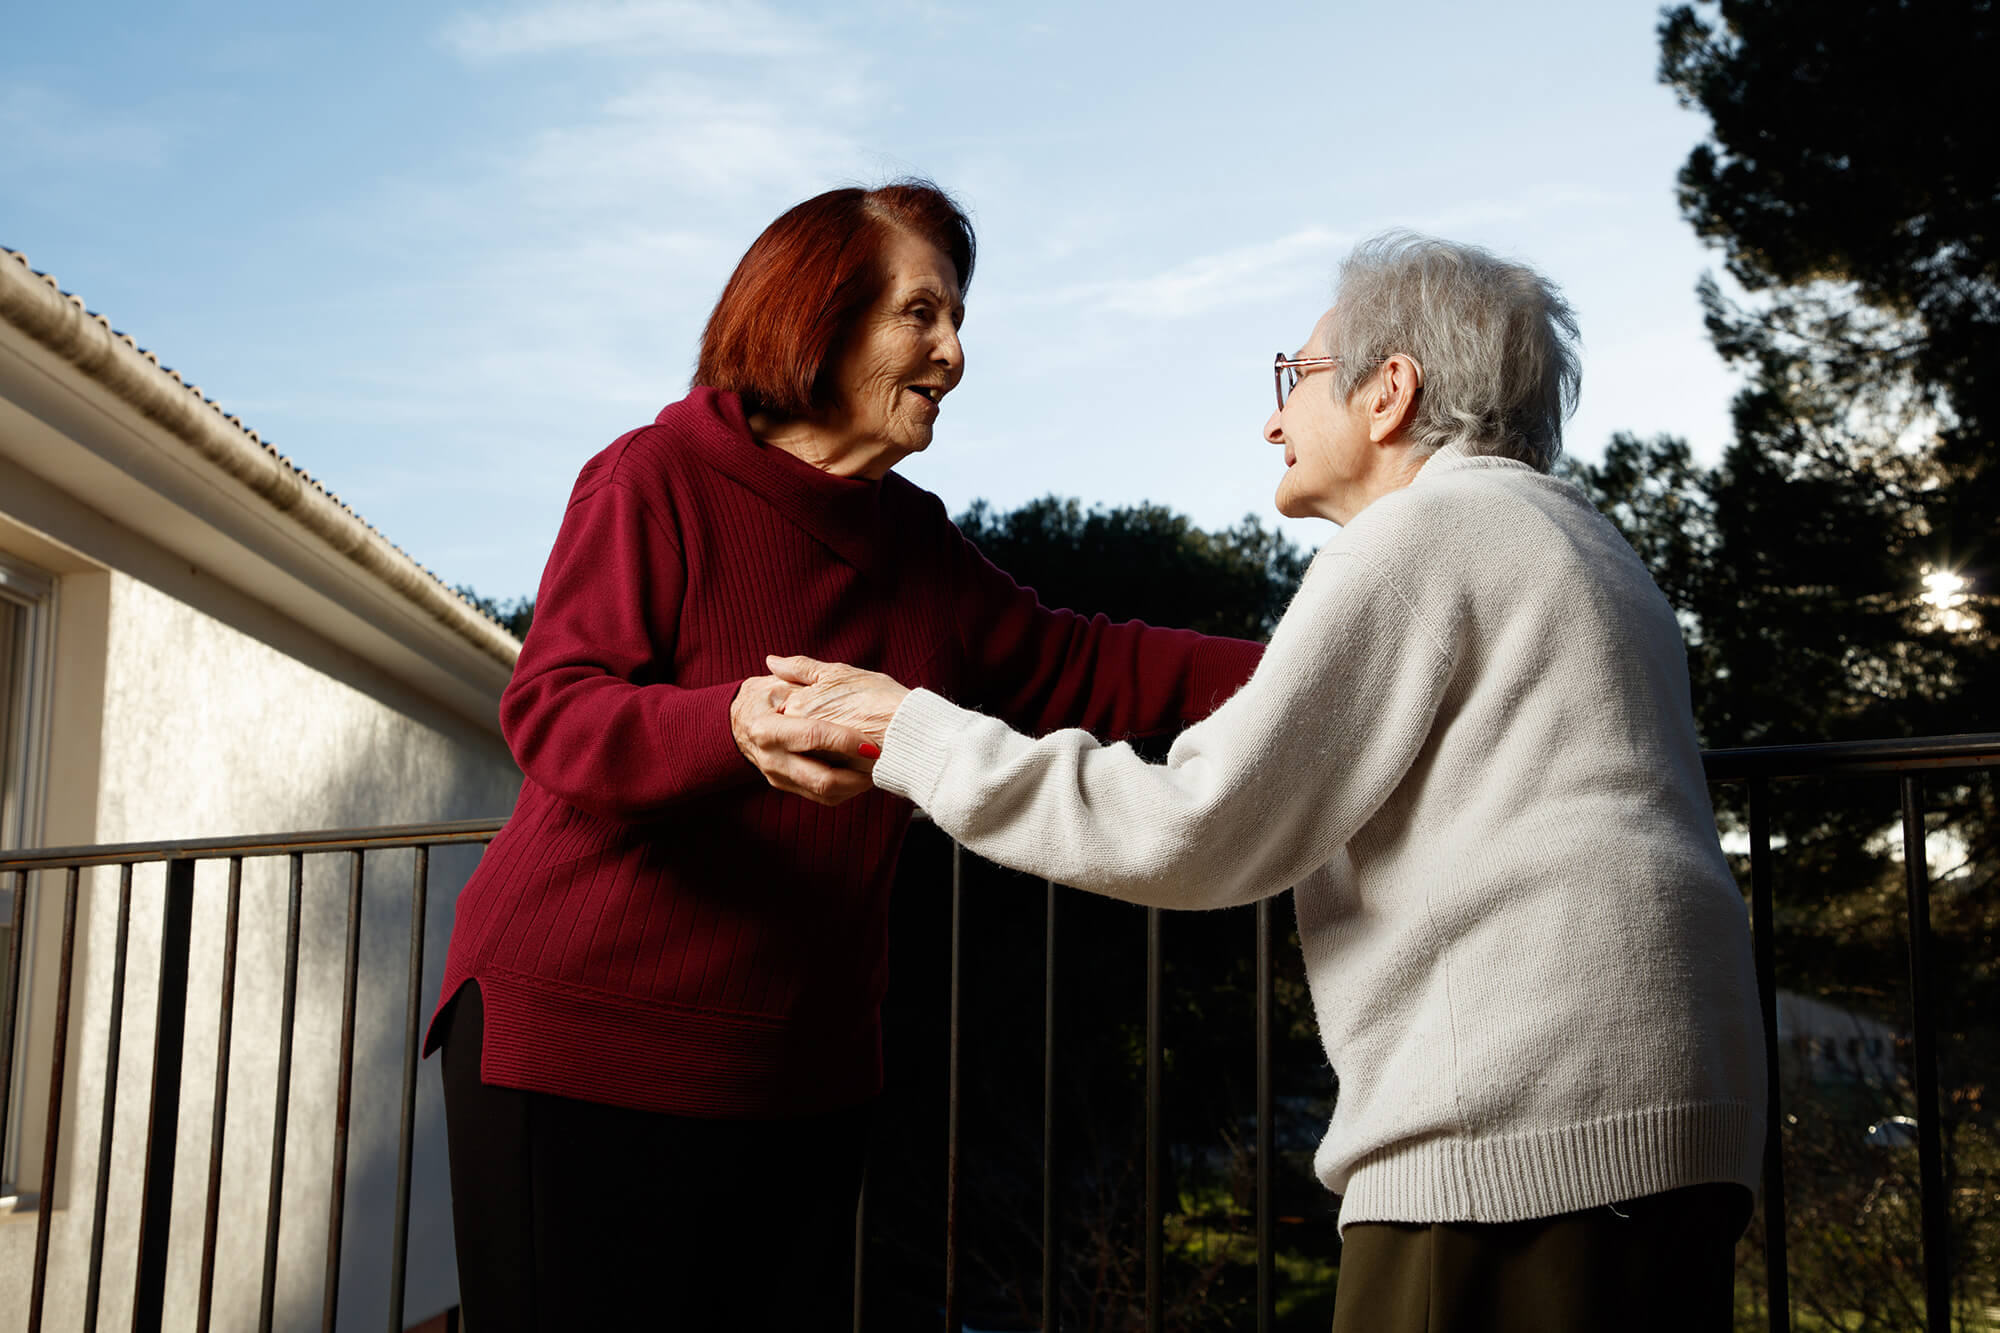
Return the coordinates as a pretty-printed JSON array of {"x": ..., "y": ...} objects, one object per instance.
[
  {"x": 1249, "y": 273},
  {"x": 791, "y": 108},
  {"x": 638, "y": 27},
  {"x": 700, "y": 138},
  {"x": 1228, "y": 277}
]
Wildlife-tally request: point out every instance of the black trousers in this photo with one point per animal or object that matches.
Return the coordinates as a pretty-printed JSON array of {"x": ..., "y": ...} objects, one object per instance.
[
  {"x": 574, "y": 1216},
  {"x": 1663, "y": 1263}
]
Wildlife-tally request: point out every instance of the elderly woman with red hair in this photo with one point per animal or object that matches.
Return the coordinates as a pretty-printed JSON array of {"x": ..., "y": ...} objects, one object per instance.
[{"x": 661, "y": 1009}]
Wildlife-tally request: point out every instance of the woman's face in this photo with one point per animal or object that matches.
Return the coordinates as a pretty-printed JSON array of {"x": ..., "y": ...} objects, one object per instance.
[
  {"x": 903, "y": 358},
  {"x": 1327, "y": 457},
  {"x": 1342, "y": 455}
]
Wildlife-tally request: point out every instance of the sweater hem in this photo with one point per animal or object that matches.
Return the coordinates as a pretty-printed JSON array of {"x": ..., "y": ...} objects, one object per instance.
[
  {"x": 596, "y": 1046},
  {"x": 1520, "y": 1177}
]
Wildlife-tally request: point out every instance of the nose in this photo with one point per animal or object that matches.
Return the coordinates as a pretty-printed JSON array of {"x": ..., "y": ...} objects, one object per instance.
[
  {"x": 1274, "y": 429},
  {"x": 948, "y": 351}
]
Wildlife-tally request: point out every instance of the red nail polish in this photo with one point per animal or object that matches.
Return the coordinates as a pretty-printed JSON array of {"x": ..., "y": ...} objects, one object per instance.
[{"x": 870, "y": 750}]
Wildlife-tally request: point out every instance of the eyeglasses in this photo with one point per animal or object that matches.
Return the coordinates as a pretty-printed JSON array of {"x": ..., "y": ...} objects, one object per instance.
[{"x": 1285, "y": 371}]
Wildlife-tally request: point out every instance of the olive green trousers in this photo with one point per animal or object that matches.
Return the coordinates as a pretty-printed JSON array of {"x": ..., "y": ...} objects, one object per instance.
[{"x": 1664, "y": 1262}]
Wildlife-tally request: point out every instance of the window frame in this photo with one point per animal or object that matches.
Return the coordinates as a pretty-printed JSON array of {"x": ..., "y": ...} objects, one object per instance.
[{"x": 24, "y": 742}]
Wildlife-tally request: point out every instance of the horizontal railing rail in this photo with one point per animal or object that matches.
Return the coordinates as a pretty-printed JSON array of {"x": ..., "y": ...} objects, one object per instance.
[
  {"x": 1757, "y": 768},
  {"x": 389, "y": 837},
  {"x": 1854, "y": 758}
]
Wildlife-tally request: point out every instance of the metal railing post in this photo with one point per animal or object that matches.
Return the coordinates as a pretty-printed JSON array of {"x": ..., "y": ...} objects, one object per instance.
[
  {"x": 164, "y": 1109},
  {"x": 951, "y": 1295},
  {"x": 1155, "y": 1136},
  {"x": 1776, "y": 1275},
  {"x": 219, "y": 1118},
  {"x": 1051, "y": 1172},
  {"x": 274, "y": 1207},
  {"x": 108, "y": 1120},
  {"x": 860, "y": 1247},
  {"x": 343, "y": 1099},
  {"x": 1930, "y": 1154},
  {"x": 1267, "y": 1285},
  {"x": 52, "y": 1138},
  {"x": 406, "y": 1134},
  {"x": 10, "y": 984}
]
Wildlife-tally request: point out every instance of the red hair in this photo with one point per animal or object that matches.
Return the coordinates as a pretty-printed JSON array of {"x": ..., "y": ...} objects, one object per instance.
[{"x": 803, "y": 285}]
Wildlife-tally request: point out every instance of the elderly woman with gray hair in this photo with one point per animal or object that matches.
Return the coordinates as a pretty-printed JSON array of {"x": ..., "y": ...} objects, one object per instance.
[{"x": 1470, "y": 750}]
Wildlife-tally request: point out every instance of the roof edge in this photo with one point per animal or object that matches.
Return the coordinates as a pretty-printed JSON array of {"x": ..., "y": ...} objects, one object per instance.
[{"x": 33, "y": 302}]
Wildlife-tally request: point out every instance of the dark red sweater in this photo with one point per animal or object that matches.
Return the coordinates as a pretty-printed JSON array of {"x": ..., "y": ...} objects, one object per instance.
[{"x": 655, "y": 927}]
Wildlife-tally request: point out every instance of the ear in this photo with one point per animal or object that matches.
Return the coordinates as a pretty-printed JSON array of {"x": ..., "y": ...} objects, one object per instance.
[{"x": 1392, "y": 399}]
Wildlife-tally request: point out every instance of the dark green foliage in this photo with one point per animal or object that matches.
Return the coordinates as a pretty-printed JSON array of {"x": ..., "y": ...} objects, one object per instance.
[
  {"x": 1852, "y": 185},
  {"x": 513, "y": 616},
  {"x": 1143, "y": 562},
  {"x": 1847, "y": 139},
  {"x": 1856, "y": 141}
]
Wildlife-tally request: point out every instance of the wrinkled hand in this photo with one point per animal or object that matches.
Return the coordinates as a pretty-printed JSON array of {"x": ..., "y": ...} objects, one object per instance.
[
  {"x": 803, "y": 756},
  {"x": 848, "y": 697}
]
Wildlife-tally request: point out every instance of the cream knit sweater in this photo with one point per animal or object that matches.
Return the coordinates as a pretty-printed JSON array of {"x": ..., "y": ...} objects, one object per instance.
[{"x": 1470, "y": 748}]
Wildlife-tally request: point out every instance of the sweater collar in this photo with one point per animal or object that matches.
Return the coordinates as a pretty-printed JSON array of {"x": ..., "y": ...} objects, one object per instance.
[
  {"x": 1455, "y": 458},
  {"x": 841, "y": 513}
]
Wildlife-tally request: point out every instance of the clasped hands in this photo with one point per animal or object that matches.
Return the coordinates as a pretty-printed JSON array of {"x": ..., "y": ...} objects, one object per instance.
[{"x": 814, "y": 728}]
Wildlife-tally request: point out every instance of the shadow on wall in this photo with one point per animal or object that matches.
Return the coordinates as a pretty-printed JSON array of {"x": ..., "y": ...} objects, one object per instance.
[{"x": 368, "y": 1227}]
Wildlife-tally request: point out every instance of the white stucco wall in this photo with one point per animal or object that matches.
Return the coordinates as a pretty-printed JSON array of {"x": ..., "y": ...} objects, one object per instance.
[{"x": 208, "y": 729}]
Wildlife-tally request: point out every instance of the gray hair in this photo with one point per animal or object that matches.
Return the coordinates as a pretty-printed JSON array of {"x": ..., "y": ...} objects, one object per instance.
[{"x": 1495, "y": 340}]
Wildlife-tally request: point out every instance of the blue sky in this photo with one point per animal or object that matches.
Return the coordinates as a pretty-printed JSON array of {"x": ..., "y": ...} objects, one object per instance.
[{"x": 440, "y": 254}]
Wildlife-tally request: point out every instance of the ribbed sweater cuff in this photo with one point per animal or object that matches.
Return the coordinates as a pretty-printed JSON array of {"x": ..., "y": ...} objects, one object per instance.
[
  {"x": 1217, "y": 669},
  {"x": 918, "y": 745},
  {"x": 692, "y": 728},
  {"x": 1544, "y": 1174}
]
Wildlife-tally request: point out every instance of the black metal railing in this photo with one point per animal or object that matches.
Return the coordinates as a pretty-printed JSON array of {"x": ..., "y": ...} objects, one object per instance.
[
  {"x": 1909, "y": 760},
  {"x": 1757, "y": 769},
  {"x": 164, "y": 1100}
]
